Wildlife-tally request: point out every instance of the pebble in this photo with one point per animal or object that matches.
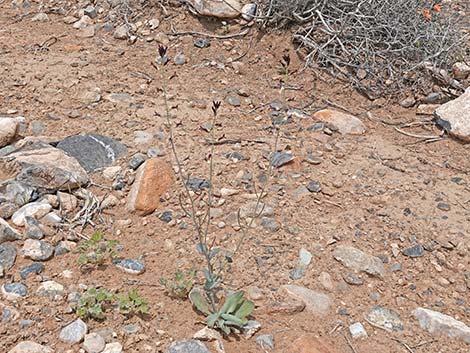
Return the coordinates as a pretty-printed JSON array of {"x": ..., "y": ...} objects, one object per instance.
[
  {"x": 279, "y": 159},
  {"x": 315, "y": 302},
  {"x": 37, "y": 250},
  {"x": 314, "y": 186},
  {"x": 90, "y": 11},
  {"x": 114, "y": 347},
  {"x": 202, "y": 43},
  {"x": 35, "y": 268},
  {"x": 305, "y": 257},
  {"x": 180, "y": 59},
  {"x": 248, "y": 11},
  {"x": 187, "y": 346},
  {"x": 7, "y": 256},
  {"x": 443, "y": 206},
  {"x": 233, "y": 101},
  {"x": 33, "y": 228},
  {"x": 352, "y": 279},
  {"x": 356, "y": 259},
  {"x": 357, "y": 330},
  {"x": 93, "y": 343},
  {"x": 74, "y": 332},
  {"x": 326, "y": 281},
  {"x": 270, "y": 224},
  {"x": 253, "y": 208},
  {"x": 385, "y": 318},
  {"x": 414, "y": 251},
  {"x": 137, "y": 160},
  {"x": 30, "y": 347},
  {"x": 14, "y": 291},
  {"x": 131, "y": 329},
  {"x": 7, "y": 233},
  {"x": 198, "y": 184},
  {"x": 65, "y": 246},
  {"x": 50, "y": 289},
  {"x": 266, "y": 342},
  {"x": 131, "y": 266},
  {"x": 120, "y": 32}
]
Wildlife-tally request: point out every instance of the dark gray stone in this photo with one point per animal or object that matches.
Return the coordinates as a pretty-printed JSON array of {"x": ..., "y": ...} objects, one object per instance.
[
  {"x": 7, "y": 256},
  {"x": 7, "y": 233},
  {"x": 17, "y": 289},
  {"x": 414, "y": 251},
  {"x": 236, "y": 156},
  {"x": 314, "y": 186},
  {"x": 270, "y": 224},
  {"x": 33, "y": 228},
  {"x": 35, "y": 267},
  {"x": 278, "y": 159},
  {"x": 166, "y": 216},
  {"x": 187, "y": 346},
  {"x": 198, "y": 184},
  {"x": 93, "y": 151},
  {"x": 443, "y": 206},
  {"x": 352, "y": 279},
  {"x": 137, "y": 160},
  {"x": 202, "y": 43},
  {"x": 297, "y": 273}
]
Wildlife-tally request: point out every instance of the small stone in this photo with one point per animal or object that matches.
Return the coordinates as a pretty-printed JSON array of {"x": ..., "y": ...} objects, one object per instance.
[
  {"x": 297, "y": 273},
  {"x": 131, "y": 329},
  {"x": 408, "y": 102},
  {"x": 83, "y": 22},
  {"x": 270, "y": 224},
  {"x": 93, "y": 343},
  {"x": 249, "y": 11},
  {"x": 74, "y": 114},
  {"x": 198, "y": 184},
  {"x": 14, "y": 291},
  {"x": 40, "y": 17},
  {"x": 345, "y": 123},
  {"x": 438, "y": 324},
  {"x": 121, "y": 32},
  {"x": 154, "y": 23},
  {"x": 352, "y": 279},
  {"x": 50, "y": 289},
  {"x": 233, "y": 101},
  {"x": 278, "y": 159},
  {"x": 24, "y": 324},
  {"x": 137, "y": 160},
  {"x": 35, "y": 268},
  {"x": 7, "y": 209},
  {"x": 461, "y": 70},
  {"x": 37, "y": 250},
  {"x": 385, "y": 318},
  {"x": 74, "y": 332},
  {"x": 314, "y": 186},
  {"x": 110, "y": 173},
  {"x": 443, "y": 206},
  {"x": 305, "y": 257},
  {"x": 131, "y": 266},
  {"x": 266, "y": 342},
  {"x": 414, "y": 251},
  {"x": 326, "y": 281},
  {"x": 33, "y": 209},
  {"x": 179, "y": 59},
  {"x": 357, "y": 330},
  {"x": 64, "y": 247},
  {"x": 202, "y": 43},
  {"x": 90, "y": 11},
  {"x": 114, "y": 347},
  {"x": 33, "y": 228},
  {"x": 357, "y": 260},
  {"x": 7, "y": 233},
  {"x": 254, "y": 209},
  {"x": 7, "y": 256},
  {"x": 30, "y": 347},
  {"x": 454, "y": 116},
  {"x": 313, "y": 160},
  {"x": 187, "y": 346},
  {"x": 315, "y": 302}
]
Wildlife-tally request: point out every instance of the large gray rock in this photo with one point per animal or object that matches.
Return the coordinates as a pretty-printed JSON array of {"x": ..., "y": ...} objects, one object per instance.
[
  {"x": 74, "y": 332},
  {"x": 7, "y": 256},
  {"x": 454, "y": 116},
  {"x": 30, "y": 347},
  {"x": 187, "y": 346},
  {"x": 218, "y": 8},
  {"x": 315, "y": 302},
  {"x": 437, "y": 323},
  {"x": 360, "y": 261},
  {"x": 93, "y": 151},
  {"x": 42, "y": 166},
  {"x": 7, "y": 233}
]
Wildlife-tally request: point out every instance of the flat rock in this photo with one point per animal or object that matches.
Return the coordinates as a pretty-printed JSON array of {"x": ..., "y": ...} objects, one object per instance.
[
  {"x": 7, "y": 233},
  {"x": 114, "y": 347},
  {"x": 252, "y": 209},
  {"x": 16, "y": 192},
  {"x": 360, "y": 261},
  {"x": 93, "y": 343},
  {"x": 266, "y": 342},
  {"x": 279, "y": 159},
  {"x": 345, "y": 123},
  {"x": 74, "y": 332},
  {"x": 385, "y": 318},
  {"x": 131, "y": 266},
  {"x": 311, "y": 344},
  {"x": 30, "y": 347},
  {"x": 50, "y": 289},
  {"x": 7, "y": 256},
  {"x": 42, "y": 166},
  {"x": 34, "y": 209},
  {"x": 8, "y": 130},
  {"x": 357, "y": 330},
  {"x": 437, "y": 324},
  {"x": 187, "y": 346},
  {"x": 414, "y": 251},
  {"x": 93, "y": 151},
  {"x": 37, "y": 250},
  {"x": 454, "y": 116},
  {"x": 315, "y": 302},
  {"x": 34, "y": 268},
  {"x": 153, "y": 179},
  {"x": 226, "y": 9}
]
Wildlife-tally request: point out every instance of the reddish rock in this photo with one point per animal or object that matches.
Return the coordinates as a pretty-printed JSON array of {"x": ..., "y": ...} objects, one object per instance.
[
  {"x": 311, "y": 344},
  {"x": 345, "y": 123},
  {"x": 153, "y": 179}
]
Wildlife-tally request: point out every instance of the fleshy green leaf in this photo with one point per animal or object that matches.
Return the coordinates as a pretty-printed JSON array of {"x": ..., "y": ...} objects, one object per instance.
[{"x": 199, "y": 302}]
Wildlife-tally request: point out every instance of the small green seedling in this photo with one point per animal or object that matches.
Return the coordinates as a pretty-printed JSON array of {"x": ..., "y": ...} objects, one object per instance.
[
  {"x": 132, "y": 303},
  {"x": 180, "y": 285},
  {"x": 231, "y": 317},
  {"x": 96, "y": 250},
  {"x": 93, "y": 304}
]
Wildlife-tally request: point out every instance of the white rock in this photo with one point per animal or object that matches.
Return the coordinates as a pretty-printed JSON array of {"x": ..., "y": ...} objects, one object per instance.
[
  {"x": 357, "y": 330},
  {"x": 111, "y": 172},
  {"x": 8, "y": 130},
  {"x": 74, "y": 332},
  {"x": 83, "y": 22},
  {"x": 34, "y": 209},
  {"x": 40, "y": 17},
  {"x": 120, "y": 32},
  {"x": 30, "y": 347},
  {"x": 37, "y": 250},
  {"x": 218, "y": 8},
  {"x": 437, "y": 323},
  {"x": 228, "y": 192},
  {"x": 67, "y": 202},
  {"x": 114, "y": 347},
  {"x": 454, "y": 116},
  {"x": 50, "y": 289},
  {"x": 51, "y": 218},
  {"x": 461, "y": 70},
  {"x": 249, "y": 11},
  {"x": 93, "y": 343}
]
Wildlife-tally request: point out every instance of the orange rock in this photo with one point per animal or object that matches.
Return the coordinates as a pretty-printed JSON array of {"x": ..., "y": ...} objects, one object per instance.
[
  {"x": 311, "y": 344},
  {"x": 153, "y": 179},
  {"x": 345, "y": 123}
]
